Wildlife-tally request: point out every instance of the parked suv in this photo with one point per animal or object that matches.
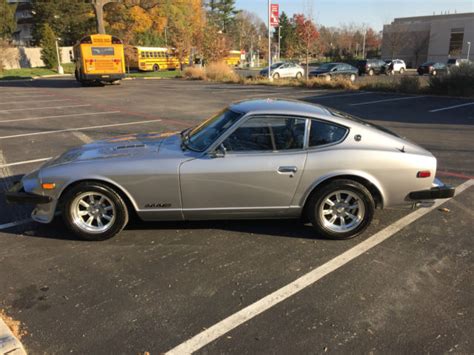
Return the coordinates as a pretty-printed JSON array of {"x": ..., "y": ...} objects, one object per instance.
[
  {"x": 453, "y": 62},
  {"x": 395, "y": 65},
  {"x": 371, "y": 66}
]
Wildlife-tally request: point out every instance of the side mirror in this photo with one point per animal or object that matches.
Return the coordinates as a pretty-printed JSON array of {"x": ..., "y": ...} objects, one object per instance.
[
  {"x": 219, "y": 152},
  {"x": 334, "y": 69}
]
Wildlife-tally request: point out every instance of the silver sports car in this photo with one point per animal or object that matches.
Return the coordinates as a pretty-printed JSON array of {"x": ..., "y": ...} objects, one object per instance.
[{"x": 255, "y": 159}]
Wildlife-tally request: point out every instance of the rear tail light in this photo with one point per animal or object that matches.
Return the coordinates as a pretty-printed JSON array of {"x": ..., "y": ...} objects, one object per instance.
[{"x": 423, "y": 174}]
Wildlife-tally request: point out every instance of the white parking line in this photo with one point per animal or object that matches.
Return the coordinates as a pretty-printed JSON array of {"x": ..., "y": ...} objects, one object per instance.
[
  {"x": 61, "y": 116},
  {"x": 244, "y": 315},
  {"x": 342, "y": 95},
  {"x": 40, "y": 108},
  {"x": 77, "y": 129},
  {"x": 15, "y": 96},
  {"x": 387, "y": 100},
  {"x": 25, "y": 162},
  {"x": 29, "y": 101},
  {"x": 16, "y": 223},
  {"x": 82, "y": 137},
  {"x": 451, "y": 107}
]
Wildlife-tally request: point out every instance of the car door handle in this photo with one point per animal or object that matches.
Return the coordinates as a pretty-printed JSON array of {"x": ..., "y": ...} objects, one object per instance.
[{"x": 287, "y": 169}]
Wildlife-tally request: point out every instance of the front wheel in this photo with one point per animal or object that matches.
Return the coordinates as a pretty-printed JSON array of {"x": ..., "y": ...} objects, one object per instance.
[
  {"x": 156, "y": 68},
  {"x": 276, "y": 76},
  {"x": 434, "y": 73},
  {"x": 341, "y": 209},
  {"x": 352, "y": 77},
  {"x": 299, "y": 75},
  {"x": 94, "y": 211},
  {"x": 402, "y": 70}
]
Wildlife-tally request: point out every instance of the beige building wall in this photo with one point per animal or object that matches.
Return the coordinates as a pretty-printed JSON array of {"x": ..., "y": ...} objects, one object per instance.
[
  {"x": 426, "y": 38},
  {"x": 30, "y": 57}
]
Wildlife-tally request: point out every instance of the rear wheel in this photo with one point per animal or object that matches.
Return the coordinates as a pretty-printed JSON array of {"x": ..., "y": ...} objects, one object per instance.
[
  {"x": 156, "y": 67},
  {"x": 327, "y": 77},
  {"x": 94, "y": 211},
  {"x": 341, "y": 209},
  {"x": 434, "y": 73},
  {"x": 276, "y": 76},
  {"x": 371, "y": 72},
  {"x": 352, "y": 77},
  {"x": 299, "y": 75},
  {"x": 402, "y": 70}
]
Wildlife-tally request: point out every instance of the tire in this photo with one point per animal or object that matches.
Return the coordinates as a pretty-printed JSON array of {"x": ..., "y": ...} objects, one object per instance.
[
  {"x": 321, "y": 213},
  {"x": 371, "y": 72},
  {"x": 276, "y": 76},
  {"x": 299, "y": 75},
  {"x": 327, "y": 78},
  {"x": 352, "y": 77},
  {"x": 156, "y": 67},
  {"x": 434, "y": 73},
  {"x": 77, "y": 213},
  {"x": 402, "y": 70}
]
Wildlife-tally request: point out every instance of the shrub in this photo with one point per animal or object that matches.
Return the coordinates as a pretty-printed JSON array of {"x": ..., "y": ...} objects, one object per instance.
[
  {"x": 335, "y": 83},
  {"x": 220, "y": 71},
  {"x": 459, "y": 81},
  {"x": 194, "y": 73},
  {"x": 409, "y": 85},
  {"x": 48, "y": 47}
]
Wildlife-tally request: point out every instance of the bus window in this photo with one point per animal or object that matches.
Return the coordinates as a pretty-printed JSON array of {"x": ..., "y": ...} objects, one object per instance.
[{"x": 103, "y": 51}]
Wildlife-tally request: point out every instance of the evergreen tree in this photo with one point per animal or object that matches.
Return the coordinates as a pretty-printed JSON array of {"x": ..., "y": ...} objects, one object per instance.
[
  {"x": 222, "y": 13},
  {"x": 288, "y": 36},
  {"x": 48, "y": 47},
  {"x": 7, "y": 19}
]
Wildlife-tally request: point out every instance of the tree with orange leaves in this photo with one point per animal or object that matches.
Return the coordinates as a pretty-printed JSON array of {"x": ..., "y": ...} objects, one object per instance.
[{"x": 306, "y": 36}]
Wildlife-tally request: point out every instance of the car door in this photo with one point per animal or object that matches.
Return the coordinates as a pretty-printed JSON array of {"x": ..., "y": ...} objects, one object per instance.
[
  {"x": 285, "y": 71},
  {"x": 257, "y": 176}
]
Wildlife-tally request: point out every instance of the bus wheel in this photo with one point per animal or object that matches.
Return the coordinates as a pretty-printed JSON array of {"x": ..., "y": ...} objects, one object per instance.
[
  {"x": 156, "y": 67},
  {"x": 116, "y": 82}
]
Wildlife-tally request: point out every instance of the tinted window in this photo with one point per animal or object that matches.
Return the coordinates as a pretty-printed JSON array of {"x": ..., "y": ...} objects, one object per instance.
[
  {"x": 102, "y": 50},
  {"x": 267, "y": 134},
  {"x": 322, "y": 133}
]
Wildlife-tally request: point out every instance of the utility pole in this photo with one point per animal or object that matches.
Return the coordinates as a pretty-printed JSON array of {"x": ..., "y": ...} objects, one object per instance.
[
  {"x": 468, "y": 49},
  {"x": 269, "y": 41},
  {"x": 99, "y": 13},
  {"x": 279, "y": 42},
  {"x": 363, "y": 45}
]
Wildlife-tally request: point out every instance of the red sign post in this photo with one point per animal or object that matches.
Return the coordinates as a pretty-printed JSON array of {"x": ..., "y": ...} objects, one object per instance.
[{"x": 274, "y": 15}]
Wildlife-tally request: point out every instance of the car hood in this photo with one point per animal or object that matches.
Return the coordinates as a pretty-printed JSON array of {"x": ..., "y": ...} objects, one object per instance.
[{"x": 130, "y": 146}]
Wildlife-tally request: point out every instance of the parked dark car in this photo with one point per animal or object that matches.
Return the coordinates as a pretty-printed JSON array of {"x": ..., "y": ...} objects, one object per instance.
[
  {"x": 371, "y": 66},
  {"x": 330, "y": 70},
  {"x": 432, "y": 68}
]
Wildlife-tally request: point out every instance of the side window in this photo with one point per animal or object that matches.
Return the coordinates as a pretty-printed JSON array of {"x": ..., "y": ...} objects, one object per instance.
[
  {"x": 142, "y": 54},
  {"x": 267, "y": 133},
  {"x": 323, "y": 133}
]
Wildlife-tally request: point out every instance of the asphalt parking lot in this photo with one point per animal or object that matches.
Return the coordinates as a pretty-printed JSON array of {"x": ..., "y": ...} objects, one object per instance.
[{"x": 157, "y": 285}]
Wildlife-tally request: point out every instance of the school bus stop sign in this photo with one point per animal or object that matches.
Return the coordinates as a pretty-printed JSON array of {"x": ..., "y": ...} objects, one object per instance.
[{"x": 274, "y": 14}]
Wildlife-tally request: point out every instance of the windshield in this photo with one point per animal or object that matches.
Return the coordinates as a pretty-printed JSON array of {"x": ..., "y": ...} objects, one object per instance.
[
  {"x": 327, "y": 66},
  {"x": 203, "y": 135}
]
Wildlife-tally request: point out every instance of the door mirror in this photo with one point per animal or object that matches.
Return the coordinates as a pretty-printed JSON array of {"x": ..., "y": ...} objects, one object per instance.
[{"x": 219, "y": 152}]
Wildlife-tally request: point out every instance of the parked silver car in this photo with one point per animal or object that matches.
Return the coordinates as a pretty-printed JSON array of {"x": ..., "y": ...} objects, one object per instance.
[
  {"x": 284, "y": 70},
  {"x": 255, "y": 159}
]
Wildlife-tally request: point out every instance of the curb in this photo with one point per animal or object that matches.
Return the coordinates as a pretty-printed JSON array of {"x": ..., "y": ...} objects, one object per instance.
[
  {"x": 9, "y": 344},
  {"x": 36, "y": 77}
]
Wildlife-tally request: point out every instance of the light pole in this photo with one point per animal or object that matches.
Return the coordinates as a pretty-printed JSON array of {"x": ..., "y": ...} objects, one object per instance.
[
  {"x": 269, "y": 41},
  {"x": 468, "y": 49},
  {"x": 60, "y": 68},
  {"x": 363, "y": 45}
]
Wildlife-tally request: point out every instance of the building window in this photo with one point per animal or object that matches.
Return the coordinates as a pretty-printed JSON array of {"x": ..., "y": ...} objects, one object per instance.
[{"x": 456, "y": 41}]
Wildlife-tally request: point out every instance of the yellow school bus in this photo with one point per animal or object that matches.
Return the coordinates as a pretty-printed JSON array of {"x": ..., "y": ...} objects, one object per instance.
[
  {"x": 233, "y": 58},
  {"x": 99, "y": 58},
  {"x": 153, "y": 59}
]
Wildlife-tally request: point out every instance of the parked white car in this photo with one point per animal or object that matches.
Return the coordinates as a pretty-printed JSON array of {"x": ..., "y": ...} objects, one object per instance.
[
  {"x": 453, "y": 62},
  {"x": 284, "y": 70},
  {"x": 395, "y": 65}
]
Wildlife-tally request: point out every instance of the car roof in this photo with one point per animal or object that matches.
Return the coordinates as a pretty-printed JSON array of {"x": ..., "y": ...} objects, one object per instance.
[{"x": 278, "y": 105}]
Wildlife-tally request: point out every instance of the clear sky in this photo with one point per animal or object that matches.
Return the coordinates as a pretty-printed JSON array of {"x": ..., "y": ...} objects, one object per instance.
[{"x": 372, "y": 12}]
